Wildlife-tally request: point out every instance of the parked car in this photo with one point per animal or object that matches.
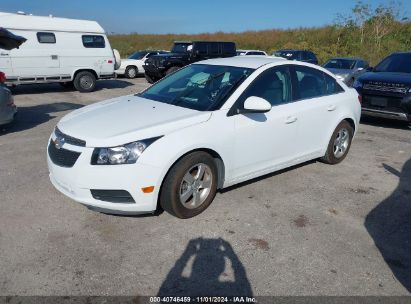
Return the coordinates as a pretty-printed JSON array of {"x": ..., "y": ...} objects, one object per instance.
[
  {"x": 184, "y": 53},
  {"x": 251, "y": 52},
  {"x": 386, "y": 89},
  {"x": 300, "y": 55},
  {"x": 58, "y": 50},
  {"x": 205, "y": 127},
  {"x": 133, "y": 65},
  {"x": 8, "y": 109},
  {"x": 347, "y": 69}
]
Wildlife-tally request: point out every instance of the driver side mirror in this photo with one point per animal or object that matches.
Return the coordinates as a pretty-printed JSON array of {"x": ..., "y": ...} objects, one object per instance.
[
  {"x": 254, "y": 104},
  {"x": 369, "y": 69}
]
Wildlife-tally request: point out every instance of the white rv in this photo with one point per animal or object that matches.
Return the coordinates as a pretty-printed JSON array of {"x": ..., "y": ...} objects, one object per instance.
[{"x": 68, "y": 51}]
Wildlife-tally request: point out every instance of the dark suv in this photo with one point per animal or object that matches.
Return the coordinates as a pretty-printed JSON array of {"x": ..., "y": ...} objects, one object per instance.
[
  {"x": 300, "y": 55},
  {"x": 386, "y": 89},
  {"x": 184, "y": 53}
]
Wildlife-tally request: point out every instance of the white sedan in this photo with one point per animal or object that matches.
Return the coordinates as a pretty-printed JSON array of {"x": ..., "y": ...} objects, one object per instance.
[
  {"x": 133, "y": 65},
  {"x": 208, "y": 126}
]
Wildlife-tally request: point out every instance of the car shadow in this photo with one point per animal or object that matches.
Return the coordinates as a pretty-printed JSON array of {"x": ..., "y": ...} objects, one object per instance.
[
  {"x": 56, "y": 87},
  {"x": 32, "y": 116},
  {"x": 207, "y": 267},
  {"x": 260, "y": 178},
  {"x": 385, "y": 123},
  {"x": 389, "y": 224}
]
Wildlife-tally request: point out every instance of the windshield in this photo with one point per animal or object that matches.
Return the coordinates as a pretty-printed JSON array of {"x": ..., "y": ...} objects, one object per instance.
[
  {"x": 137, "y": 55},
  {"x": 397, "y": 63},
  {"x": 199, "y": 86},
  {"x": 344, "y": 64},
  {"x": 290, "y": 55},
  {"x": 180, "y": 47}
]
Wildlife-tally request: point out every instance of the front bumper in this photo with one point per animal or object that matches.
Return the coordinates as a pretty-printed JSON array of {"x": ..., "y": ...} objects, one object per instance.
[
  {"x": 386, "y": 114},
  {"x": 77, "y": 182}
]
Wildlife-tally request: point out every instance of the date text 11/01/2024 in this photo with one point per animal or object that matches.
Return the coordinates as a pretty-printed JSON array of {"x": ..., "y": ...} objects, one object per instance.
[{"x": 238, "y": 299}]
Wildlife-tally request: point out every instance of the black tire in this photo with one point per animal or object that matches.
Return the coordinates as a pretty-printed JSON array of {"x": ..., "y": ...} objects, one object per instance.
[
  {"x": 170, "y": 191},
  {"x": 131, "y": 72},
  {"x": 85, "y": 82},
  {"x": 330, "y": 156},
  {"x": 149, "y": 79},
  {"x": 172, "y": 70}
]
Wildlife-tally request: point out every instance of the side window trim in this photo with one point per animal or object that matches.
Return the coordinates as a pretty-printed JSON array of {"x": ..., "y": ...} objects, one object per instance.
[{"x": 51, "y": 34}]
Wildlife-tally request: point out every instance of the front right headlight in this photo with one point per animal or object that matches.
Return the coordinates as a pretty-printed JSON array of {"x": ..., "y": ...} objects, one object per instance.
[{"x": 125, "y": 154}]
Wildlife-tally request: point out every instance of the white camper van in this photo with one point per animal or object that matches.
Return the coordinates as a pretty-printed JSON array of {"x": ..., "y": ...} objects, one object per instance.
[{"x": 68, "y": 51}]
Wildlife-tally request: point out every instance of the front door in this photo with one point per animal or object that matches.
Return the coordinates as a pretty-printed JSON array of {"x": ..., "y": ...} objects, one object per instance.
[{"x": 265, "y": 142}]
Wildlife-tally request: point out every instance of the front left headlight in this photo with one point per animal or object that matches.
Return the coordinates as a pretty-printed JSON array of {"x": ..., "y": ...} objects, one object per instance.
[{"x": 125, "y": 154}]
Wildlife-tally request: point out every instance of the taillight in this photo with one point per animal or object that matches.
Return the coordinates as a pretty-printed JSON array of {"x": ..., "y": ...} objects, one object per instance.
[
  {"x": 360, "y": 99},
  {"x": 2, "y": 77},
  {"x": 110, "y": 61}
]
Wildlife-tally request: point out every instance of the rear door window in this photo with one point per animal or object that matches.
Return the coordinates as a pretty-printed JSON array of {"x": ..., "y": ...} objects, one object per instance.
[
  {"x": 44, "y": 37},
  {"x": 93, "y": 41}
]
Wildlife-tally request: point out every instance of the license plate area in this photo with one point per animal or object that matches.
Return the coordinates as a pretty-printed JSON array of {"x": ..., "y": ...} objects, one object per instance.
[{"x": 378, "y": 102}]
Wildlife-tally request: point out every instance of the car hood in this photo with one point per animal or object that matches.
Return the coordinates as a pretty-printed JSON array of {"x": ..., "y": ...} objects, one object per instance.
[
  {"x": 125, "y": 119},
  {"x": 387, "y": 78},
  {"x": 340, "y": 71}
]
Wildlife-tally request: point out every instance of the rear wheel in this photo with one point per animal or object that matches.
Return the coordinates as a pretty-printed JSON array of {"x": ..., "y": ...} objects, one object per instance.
[
  {"x": 339, "y": 144},
  {"x": 85, "y": 82},
  {"x": 131, "y": 72},
  {"x": 190, "y": 186}
]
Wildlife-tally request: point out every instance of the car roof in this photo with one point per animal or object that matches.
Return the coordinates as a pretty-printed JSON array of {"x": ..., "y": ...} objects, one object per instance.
[{"x": 253, "y": 62}]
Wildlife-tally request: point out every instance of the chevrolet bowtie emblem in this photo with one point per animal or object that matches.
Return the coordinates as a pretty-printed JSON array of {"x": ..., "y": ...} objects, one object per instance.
[{"x": 59, "y": 142}]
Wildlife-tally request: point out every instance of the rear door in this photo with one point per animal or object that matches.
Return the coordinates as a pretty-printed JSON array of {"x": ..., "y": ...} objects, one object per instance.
[{"x": 316, "y": 95}]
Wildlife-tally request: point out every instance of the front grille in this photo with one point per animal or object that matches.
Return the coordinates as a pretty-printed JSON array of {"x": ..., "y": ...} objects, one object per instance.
[
  {"x": 62, "y": 157},
  {"x": 70, "y": 139},
  {"x": 113, "y": 196}
]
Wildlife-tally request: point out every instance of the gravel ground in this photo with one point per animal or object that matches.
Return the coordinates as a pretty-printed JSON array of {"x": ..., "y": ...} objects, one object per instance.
[{"x": 313, "y": 229}]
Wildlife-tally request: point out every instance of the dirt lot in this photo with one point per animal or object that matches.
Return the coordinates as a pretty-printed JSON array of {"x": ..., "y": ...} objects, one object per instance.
[{"x": 311, "y": 230}]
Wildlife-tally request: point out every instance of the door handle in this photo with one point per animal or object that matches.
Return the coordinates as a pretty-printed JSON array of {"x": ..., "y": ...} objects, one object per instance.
[
  {"x": 54, "y": 57},
  {"x": 331, "y": 108},
  {"x": 4, "y": 54},
  {"x": 290, "y": 119}
]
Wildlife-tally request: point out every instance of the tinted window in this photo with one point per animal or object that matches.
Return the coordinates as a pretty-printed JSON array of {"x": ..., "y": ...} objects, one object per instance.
[
  {"x": 137, "y": 55},
  {"x": 93, "y": 41},
  {"x": 288, "y": 54},
  {"x": 180, "y": 47},
  {"x": 397, "y": 63},
  {"x": 274, "y": 85},
  {"x": 43, "y": 37},
  {"x": 228, "y": 48},
  {"x": 201, "y": 48},
  {"x": 255, "y": 53},
  {"x": 332, "y": 87},
  {"x": 313, "y": 83},
  {"x": 345, "y": 64},
  {"x": 214, "y": 48}
]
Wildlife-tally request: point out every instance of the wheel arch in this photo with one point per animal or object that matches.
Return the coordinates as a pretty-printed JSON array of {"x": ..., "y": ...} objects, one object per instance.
[
  {"x": 84, "y": 70},
  {"x": 217, "y": 158}
]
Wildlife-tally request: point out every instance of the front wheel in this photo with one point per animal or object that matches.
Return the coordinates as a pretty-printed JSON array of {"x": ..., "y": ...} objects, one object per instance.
[
  {"x": 190, "y": 186},
  {"x": 339, "y": 144},
  {"x": 85, "y": 82},
  {"x": 172, "y": 70}
]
